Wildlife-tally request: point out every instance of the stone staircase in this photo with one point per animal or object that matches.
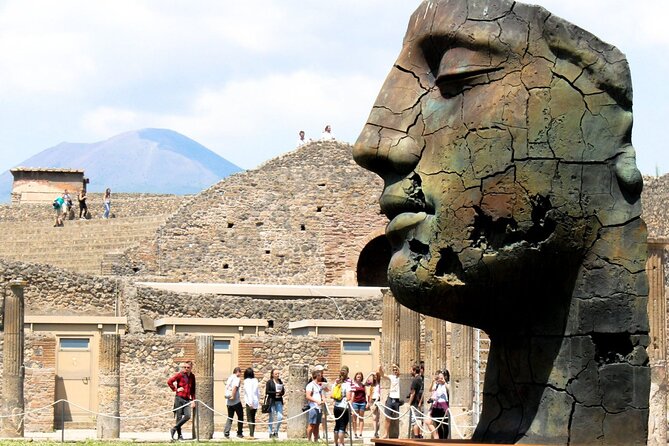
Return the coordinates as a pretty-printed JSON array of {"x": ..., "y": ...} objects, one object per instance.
[{"x": 78, "y": 246}]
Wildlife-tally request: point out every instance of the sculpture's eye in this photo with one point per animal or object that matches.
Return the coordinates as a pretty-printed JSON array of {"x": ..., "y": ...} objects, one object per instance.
[{"x": 461, "y": 68}]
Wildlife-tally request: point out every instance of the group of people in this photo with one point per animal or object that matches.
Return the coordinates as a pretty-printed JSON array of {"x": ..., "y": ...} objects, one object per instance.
[
  {"x": 183, "y": 384},
  {"x": 325, "y": 136},
  {"x": 360, "y": 395},
  {"x": 357, "y": 394},
  {"x": 63, "y": 205}
]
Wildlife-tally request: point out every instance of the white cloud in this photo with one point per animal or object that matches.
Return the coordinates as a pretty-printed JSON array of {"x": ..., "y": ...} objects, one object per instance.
[{"x": 251, "y": 120}]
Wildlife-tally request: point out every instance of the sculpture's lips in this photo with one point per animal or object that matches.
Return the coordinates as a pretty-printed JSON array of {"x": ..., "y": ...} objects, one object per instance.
[{"x": 400, "y": 225}]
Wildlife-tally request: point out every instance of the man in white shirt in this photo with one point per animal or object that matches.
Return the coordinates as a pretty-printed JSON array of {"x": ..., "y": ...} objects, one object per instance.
[
  {"x": 315, "y": 399},
  {"x": 393, "y": 401},
  {"x": 234, "y": 403}
]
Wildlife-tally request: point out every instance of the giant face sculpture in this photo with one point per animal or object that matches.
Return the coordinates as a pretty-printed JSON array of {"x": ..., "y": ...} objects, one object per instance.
[{"x": 502, "y": 134}]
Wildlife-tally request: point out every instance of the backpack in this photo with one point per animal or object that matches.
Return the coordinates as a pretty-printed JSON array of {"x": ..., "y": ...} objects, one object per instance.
[{"x": 336, "y": 392}]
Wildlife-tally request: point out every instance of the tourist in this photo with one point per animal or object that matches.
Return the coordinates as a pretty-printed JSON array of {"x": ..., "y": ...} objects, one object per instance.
[
  {"x": 107, "y": 203},
  {"x": 301, "y": 141},
  {"x": 327, "y": 134},
  {"x": 58, "y": 208},
  {"x": 341, "y": 394},
  {"x": 415, "y": 399},
  {"x": 68, "y": 204},
  {"x": 252, "y": 399},
  {"x": 439, "y": 408},
  {"x": 234, "y": 403},
  {"x": 359, "y": 403},
  {"x": 274, "y": 390},
  {"x": 393, "y": 400},
  {"x": 183, "y": 383},
  {"x": 374, "y": 395},
  {"x": 83, "y": 208},
  {"x": 314, "y": 395}
]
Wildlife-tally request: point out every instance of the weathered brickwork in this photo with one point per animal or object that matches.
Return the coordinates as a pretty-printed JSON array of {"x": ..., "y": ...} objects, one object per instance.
[
  {"x": 654, "y": 203},
  {"x": 39, "y": 393},
  {"x": 160, "y": 303},
  {"x": 301, "y": 218},
  {"x": 123, "y": 205},
  {"x": 55, "y": 291}
]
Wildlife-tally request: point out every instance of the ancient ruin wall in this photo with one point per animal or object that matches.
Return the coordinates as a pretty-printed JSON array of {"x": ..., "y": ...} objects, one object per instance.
[
  {"x": 301, "y": 218},
  {"x": 123, "y": 205},
  {"x": 157, "y": 304},
  {"x": 52, "y": 290}
]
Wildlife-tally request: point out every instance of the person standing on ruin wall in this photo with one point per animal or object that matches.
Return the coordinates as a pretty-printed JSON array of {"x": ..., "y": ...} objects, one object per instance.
[
  {"x": 327, "y": 134},
  {"x": 107, "y": 203},
  {"x": 83, "y": 208},
  {"x": 183, "y": 383},
  {"x": 301, "y": 140}
]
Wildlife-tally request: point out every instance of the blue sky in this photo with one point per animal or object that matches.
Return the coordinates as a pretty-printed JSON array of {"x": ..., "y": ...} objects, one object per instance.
[{"x": 243, "y": 78}]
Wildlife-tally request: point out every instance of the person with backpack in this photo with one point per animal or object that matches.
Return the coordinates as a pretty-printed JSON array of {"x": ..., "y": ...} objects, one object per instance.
[
  {"x": 341, "y": 394},
  {"x": 58, "y": 207}
]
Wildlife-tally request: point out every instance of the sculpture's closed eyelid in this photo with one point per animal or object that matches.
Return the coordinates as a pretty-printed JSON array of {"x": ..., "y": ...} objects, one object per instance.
[{"x": 462, "y": 63}]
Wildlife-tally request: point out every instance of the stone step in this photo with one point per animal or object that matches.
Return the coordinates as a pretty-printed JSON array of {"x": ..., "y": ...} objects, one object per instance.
[{"x": 68, "y": 244}]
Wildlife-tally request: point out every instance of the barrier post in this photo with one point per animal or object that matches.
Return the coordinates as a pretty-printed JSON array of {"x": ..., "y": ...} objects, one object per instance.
[{"x": 62, "y": 421}]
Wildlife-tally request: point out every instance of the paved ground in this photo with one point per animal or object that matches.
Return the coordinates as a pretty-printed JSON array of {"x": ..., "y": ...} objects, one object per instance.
[{"x": 88, "y": 434}]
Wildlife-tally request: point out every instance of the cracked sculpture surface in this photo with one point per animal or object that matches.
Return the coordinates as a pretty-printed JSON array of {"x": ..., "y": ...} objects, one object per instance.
[{"x": 503, "y": 136}]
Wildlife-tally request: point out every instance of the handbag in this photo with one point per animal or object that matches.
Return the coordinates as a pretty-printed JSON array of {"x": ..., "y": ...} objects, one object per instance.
[
  {"x": 265, "y": 405},
  {"x": 305, "y": 408}
]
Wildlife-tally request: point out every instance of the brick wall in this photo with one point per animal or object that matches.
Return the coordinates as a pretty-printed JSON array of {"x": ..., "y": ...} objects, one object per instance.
[
  {"x": 39, "y": 393},
  {"x": 301, "y": 218}
]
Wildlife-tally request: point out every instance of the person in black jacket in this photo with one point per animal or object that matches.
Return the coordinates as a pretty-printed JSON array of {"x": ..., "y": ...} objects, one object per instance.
[{"x": 274, "y": 390}]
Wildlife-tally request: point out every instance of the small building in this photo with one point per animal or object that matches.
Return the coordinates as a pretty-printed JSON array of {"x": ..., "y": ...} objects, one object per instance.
[{"x": 44, "y": 184}]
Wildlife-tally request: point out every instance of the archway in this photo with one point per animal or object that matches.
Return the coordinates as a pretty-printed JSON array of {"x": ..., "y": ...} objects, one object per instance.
[{"x": 372, "y": 269}]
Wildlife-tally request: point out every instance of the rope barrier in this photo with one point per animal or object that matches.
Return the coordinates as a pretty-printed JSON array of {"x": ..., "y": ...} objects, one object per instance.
[{"x": 448, "y": 419}]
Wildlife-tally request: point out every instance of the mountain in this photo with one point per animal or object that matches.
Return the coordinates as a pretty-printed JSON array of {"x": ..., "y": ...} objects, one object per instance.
[{"x": 147, "y": 160}]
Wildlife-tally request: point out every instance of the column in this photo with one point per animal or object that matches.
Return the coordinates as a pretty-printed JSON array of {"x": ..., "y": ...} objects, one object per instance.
[
  {"x": 204, "y": 391},
  {"x": 109, "y": 386},
  {"x": 409, "y": 355},
  {"x": 294, "y": 399},
  {"x": 390, "y": 330},
  {"x": 390, "y": 349},
  {"x": 12, "y": 362},
  {"x": 436, "y": 345},
  {"x": 462, "y": 380}
]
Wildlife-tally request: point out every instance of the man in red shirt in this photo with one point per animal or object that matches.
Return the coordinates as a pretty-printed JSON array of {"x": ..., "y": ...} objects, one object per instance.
[{"x": 183, "y": 383}]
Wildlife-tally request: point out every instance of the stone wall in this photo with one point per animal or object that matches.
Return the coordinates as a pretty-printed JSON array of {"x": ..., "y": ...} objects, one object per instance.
[
  {"x": 301, "y": 218},
  {"x": 123, "y": 205},
  {"x": 55, "y": 291},
  {"x": 155, "y": 304},
  {"x": 148, "y": 360},
  {"x": 146, "y": 363},
  {"x": 39, "y": 393},
  {"x": 654, "y": 204}
]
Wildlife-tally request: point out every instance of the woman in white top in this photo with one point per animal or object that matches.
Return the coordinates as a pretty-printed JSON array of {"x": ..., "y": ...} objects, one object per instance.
[
  {"x": 252, "y": 398},
  {"x": 439, "y": 408}
]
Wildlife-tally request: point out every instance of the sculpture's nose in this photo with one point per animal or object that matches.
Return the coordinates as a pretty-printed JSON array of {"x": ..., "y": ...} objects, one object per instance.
[{"x": 386, "y": 152}]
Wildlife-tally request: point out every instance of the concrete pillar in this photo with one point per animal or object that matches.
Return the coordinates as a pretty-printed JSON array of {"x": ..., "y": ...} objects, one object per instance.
[
  {"x": 294, "y": 399},
  {"x": 204, "y": 373},
  {"x": 109, "y": 386},
  {"x": 390, "y": 330},
  {"x": 657, "y": 418},
  {"x": 436, "y": 353},
  {"x": 657, "y": 308},
  {"x": 409, "y": 355},
  {"x": 436, "y": 346},
  {"x": 12, "y": 362},
  {"x": 390, "y": 349},
  {"x": 462, "y": 380}
]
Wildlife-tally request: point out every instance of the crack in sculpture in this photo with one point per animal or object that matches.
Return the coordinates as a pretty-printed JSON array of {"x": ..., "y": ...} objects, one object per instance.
[{"x": 513, "y": 197}]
